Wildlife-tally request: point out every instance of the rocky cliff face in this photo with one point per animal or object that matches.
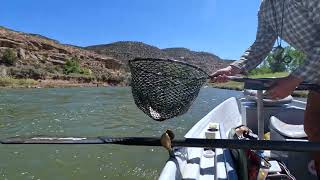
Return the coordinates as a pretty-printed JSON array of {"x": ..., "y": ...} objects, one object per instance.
[{"x": 49, "y": 56}]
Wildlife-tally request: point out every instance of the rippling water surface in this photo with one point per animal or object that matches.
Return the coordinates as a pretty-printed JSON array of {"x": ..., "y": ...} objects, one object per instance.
[{"x": 87, "y": 112}]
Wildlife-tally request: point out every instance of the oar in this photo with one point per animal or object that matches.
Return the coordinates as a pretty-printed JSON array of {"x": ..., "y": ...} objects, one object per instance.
[{"x": 299, "y": 146}]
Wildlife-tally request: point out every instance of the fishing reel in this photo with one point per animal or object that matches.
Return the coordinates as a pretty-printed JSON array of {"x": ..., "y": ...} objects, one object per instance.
[{"x": 166, "y": 141}]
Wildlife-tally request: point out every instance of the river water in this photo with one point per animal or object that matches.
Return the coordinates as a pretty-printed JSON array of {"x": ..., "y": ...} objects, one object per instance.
[{"x": 87, "y": 112}]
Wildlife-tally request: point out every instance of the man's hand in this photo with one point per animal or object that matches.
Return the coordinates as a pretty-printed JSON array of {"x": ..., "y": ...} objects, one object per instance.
[
  {"x": 220, "y": 76},
  {"x": 283, "y": 87}
]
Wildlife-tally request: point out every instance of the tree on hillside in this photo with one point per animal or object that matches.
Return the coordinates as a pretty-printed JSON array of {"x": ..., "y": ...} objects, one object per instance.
[
  {"x": 73, "y": 66},
  {"x": 297, "y": 58},
  {"x": 288, "y": 60},
  {"x": 9, "y": 57},
  {"x": 278, "y": 59}
]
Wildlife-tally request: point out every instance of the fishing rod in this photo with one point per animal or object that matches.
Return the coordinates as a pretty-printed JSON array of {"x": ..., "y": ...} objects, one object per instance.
[{"x": 297, "y": 146}]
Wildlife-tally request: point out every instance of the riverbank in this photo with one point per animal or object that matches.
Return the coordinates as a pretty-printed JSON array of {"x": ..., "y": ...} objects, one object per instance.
[
  {"x": 9, "y": 82},
  {"x": 238, "y": 86}
]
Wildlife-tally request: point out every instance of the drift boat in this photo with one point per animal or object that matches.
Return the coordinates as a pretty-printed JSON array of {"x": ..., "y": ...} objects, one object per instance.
[
  {"x": 166, "y": 88},
  {"x": 282, "y": 119}
]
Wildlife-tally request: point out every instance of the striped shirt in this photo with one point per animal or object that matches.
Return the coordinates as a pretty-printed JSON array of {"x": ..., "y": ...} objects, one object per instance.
[{"x": 301, "y": 29}]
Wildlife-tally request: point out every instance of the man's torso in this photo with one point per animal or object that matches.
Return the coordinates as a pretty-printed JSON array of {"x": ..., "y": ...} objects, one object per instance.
[{"x": 299, "y": 28}]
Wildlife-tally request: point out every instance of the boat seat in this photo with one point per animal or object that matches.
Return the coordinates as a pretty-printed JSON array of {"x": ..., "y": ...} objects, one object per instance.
[
  {"x": 289, "y": 123},
  {"x": 288, "y": 130},
  {"x": 251, "y": 95}
]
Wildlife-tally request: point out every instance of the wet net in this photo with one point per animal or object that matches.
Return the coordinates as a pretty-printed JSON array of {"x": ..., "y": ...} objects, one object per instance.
[{"x": 164, "y": 88}]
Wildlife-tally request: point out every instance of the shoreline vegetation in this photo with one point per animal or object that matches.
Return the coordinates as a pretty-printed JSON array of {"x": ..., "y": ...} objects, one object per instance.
[{"x": 10, "y": 82}]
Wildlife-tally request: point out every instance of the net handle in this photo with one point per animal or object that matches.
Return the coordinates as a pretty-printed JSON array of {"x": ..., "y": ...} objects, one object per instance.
[
  {"x": 236, "y": 78},
  {"x": 265, "y": 83},
  {"x": 256, "y": 84}
]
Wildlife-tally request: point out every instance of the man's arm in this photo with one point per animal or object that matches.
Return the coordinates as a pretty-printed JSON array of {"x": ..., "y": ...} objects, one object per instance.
[{"x": 263, "y": 44}]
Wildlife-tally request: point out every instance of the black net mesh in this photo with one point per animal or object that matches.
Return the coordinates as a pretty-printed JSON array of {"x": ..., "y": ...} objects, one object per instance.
[{"x": 164, "y": 88}]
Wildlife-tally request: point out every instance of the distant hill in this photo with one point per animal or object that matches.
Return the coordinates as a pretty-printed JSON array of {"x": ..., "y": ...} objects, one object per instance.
[
  {"x": 126, "y": 50},
  {"x": 206, "y": 61},
  {"x": 41, "y": 58}
]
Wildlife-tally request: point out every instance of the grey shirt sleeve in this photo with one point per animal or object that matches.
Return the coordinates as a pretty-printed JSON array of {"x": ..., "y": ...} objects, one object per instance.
[
  {"x": 263, "y": 44},
  {"x": 309, "y": 71},
  {"x": 313, "y": 9}
]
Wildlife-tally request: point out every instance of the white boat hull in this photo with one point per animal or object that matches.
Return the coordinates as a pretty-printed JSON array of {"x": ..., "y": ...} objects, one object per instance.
[{"x": 190, "y": 162}]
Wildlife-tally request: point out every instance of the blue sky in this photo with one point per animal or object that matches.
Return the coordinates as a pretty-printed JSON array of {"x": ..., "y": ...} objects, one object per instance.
[{"x": 223, "y": 27}]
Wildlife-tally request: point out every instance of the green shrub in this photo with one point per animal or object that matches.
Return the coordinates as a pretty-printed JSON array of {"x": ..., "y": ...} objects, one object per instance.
[
  {"x": 9, "y": 57},
  {"x": 73, "y": 66}
]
